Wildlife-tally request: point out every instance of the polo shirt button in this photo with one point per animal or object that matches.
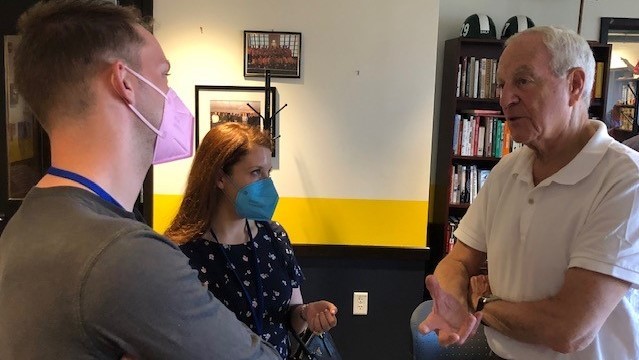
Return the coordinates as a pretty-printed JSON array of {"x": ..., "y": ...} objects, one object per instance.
[{"x": 531, "y": 201}]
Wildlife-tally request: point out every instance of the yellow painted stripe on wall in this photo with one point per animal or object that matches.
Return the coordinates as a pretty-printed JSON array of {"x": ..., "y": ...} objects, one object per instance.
[
  {"x": 394, "y": 223},
  {"x": 165, "y": 207}
]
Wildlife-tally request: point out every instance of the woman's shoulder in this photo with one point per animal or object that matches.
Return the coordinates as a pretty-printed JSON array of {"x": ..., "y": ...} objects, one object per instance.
[
  {"x": 277, "y": 228},
  {"x": 274, "y": 232}
]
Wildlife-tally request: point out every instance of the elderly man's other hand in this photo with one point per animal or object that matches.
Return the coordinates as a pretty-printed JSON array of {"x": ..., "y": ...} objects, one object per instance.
[{"x": 479, "y": 286}]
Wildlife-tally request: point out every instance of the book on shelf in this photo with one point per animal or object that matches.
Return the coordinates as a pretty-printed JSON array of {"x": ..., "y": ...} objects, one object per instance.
[
  {"x": 597, "y": 92},
  {"x": 470, "y": 65},
  {"x": 489, "y": 138},
  {"x": 475, "y": 84},
  {"x": 454, "y": 186},
  {"x": 506, "y": 144},
  {"x": 475, "y": 137},
  {"x": 499, "y": 140},
  {"x": 482, "y": 112},
  {"x": 453, "y": 222},
  {"x": 481, "y": 140},
  {"x": 459, "y": 76},
  {"x": 483, "y": 175},
  {"x": 472, "y": 183},
  {"x": 456, "y": 125},
  {"x": 464, "y": 74},
  {"x": 482, "y": 79},
  {"x": 493, "y": 80}
]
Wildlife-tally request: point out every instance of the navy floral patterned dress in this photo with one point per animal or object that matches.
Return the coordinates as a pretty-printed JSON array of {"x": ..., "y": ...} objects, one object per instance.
[{"x": 229, "y": 273}]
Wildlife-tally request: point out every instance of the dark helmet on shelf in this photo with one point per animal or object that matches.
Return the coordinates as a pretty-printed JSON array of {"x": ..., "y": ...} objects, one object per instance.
[
  {"x": 516, "y": 24},
  {"x": 478, "y": 26}
]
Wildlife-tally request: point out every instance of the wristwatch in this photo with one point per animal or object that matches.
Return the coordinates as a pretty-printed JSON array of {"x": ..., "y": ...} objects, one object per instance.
[{"x": 483, "y": 300}]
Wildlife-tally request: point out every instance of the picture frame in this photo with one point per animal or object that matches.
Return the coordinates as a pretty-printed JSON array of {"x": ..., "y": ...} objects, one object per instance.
[
  {"x": 280, "y": 52},
  {"x": 215, "y": 104}
]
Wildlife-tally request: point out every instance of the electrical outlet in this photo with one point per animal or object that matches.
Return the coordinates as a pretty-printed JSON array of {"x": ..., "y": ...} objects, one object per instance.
[{"x": 360, "y": 303}]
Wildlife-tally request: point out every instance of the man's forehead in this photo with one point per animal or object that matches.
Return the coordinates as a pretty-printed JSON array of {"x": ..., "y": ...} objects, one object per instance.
[
  {"x": 528, "y": 43},
  {"x": 518, "y": 69},
  {"x": 523, "y": 57},
  {"x": 151, "y": 49}
]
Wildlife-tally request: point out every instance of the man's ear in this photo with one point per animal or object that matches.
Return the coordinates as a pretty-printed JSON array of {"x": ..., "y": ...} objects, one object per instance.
[
  {"x": 121, "y": 82},
  {"x": 576, "y": 84}
]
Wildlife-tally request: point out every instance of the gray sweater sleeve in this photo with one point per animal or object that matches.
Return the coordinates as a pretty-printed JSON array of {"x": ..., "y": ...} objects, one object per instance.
[{"x": 139, "y": 296}]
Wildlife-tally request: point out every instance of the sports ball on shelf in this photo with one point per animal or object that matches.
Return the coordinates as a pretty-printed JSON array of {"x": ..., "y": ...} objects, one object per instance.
[
  {"x": 478, "y": 26},
  {"x": 516, "y": 24}
]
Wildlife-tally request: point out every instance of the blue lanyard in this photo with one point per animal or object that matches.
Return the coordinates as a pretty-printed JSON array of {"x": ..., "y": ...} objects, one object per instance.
[
  {"x": 258, "y": 281},
  {"x": 85, "y": 182}
]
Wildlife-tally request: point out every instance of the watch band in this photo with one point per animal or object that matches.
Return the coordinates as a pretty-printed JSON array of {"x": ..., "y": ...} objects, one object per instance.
[{"x": 483, "y": 300}]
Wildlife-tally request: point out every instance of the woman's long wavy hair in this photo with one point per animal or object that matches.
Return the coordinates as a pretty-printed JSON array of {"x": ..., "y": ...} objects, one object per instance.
[{"x": 222, "y": 147}]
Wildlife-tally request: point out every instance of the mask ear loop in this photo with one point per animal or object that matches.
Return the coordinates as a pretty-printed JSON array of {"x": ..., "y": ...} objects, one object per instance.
[
  {"x": 232, "y": 201},
  {"x": 146, "y": 81},
  {"x": 135, "y": 111},
  {"x": 145, "y": 121}
]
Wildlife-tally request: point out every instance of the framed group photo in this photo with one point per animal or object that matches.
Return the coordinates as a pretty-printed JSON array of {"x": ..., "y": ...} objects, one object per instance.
[
  {"x": 242, "y": 104},
  {"x": 278, "y": 52}
]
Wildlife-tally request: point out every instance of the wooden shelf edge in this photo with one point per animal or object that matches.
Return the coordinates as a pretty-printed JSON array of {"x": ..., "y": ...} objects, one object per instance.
[{"x": 476, "y": 158}]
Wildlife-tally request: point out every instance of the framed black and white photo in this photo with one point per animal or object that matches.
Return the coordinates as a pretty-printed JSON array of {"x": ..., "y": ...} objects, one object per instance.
[
  {"x": 245, "y": 104},
  {"x": 276, "y": 51}
]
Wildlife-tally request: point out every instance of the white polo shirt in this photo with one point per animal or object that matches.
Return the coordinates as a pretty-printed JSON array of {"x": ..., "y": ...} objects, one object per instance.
[{"x": 586, "y": 215}]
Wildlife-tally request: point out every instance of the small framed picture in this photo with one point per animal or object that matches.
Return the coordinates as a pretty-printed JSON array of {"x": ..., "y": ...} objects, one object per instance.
[
  {"x": 276, "y": 51},
  {"x": 246, "y": 104}
]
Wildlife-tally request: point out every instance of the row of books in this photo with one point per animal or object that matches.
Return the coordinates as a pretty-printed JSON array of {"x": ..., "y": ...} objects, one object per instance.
[
  {"x": 481, "y": 135},
  {"x": 465, "y": 182},
  {"x": 453, "y": 222},
  {"x": 477, "y": 78}
]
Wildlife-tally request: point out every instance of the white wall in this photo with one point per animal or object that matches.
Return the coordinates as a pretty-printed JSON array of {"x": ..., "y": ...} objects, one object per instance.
[{"x": 344, "y": 135}]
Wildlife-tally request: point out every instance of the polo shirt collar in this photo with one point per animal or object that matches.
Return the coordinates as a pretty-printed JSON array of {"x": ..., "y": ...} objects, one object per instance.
[{"x": 581, "y": 166}]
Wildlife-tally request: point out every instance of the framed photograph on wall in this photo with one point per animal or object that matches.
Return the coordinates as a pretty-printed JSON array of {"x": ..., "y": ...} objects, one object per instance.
[
  {"x": 279, "y": 52},
  {"x": 246, "y": 104}
]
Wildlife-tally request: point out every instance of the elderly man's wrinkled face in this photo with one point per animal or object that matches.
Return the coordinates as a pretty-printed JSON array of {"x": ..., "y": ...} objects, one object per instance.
[{"x": 535, "y": 101}]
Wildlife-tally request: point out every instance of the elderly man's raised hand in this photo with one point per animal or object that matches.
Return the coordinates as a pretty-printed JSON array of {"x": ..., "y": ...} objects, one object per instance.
[{"x": 450, "y": 318}]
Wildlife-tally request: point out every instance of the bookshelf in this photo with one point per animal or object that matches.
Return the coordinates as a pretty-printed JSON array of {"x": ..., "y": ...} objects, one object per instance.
[
  {"x": 459, "y": 101},
  {"x": 623, "y": 106}
]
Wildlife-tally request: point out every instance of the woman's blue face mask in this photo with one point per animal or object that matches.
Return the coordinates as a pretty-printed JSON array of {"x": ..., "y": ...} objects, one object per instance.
[{"x": 257, "y": 200}]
